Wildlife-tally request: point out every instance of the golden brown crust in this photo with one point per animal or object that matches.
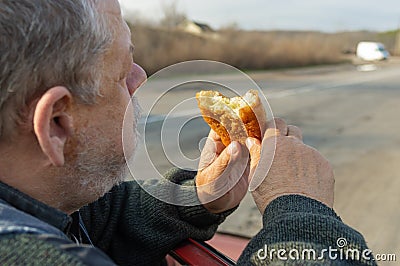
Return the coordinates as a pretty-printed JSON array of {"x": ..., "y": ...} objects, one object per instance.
[
  {"x": 219, "y": 129},
  {"x": 251, "y": 121}
]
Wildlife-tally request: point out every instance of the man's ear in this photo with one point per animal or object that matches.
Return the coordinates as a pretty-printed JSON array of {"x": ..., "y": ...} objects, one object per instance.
[{"x": 52, "y": 124}]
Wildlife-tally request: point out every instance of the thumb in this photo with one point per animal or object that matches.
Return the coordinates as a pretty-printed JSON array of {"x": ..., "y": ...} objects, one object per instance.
[
  {"x": 221, "y": 163},
  {"x": 217, "y": 168},
  {"x": 254, "y": 146}
]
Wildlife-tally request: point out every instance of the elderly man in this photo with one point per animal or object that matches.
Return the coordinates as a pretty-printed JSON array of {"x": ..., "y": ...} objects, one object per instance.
[{"x": 66, "y": 78}]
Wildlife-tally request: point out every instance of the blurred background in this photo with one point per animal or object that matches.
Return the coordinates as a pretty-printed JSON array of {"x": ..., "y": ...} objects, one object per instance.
[
  {"x": 305, "y": 56},
  {"x": 258, "y": 34}
]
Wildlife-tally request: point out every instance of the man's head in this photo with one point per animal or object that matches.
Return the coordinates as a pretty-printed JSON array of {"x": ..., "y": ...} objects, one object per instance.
[
  {"x": 45, "y": 44},
  {"x": 64, "y": 88}
]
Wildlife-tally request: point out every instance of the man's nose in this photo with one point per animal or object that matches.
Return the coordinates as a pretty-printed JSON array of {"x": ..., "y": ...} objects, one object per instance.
[{"x": 136, "y": 77}]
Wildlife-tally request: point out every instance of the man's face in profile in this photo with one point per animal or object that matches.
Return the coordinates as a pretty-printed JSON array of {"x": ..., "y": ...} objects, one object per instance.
[{"x": 94, "y": 155}]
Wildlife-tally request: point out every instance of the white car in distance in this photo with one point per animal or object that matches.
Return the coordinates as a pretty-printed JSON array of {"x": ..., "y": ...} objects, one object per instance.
[{"x": 372, "y": 51}]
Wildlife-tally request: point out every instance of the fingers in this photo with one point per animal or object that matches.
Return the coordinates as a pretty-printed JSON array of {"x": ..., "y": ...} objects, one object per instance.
[
  {"x": 212, "y": 148},
  {"x": 214, "y": 136},
  {"x": 230, "y": 153},
  {"x": 276, "y": 127},
  {"x": 215, "y": 139},
  {"x": 254, "y": 147},
  {"x": 278, "y": 124},
  {"x": 294, "y": 131},
  {"x": 220, "y": 164}
]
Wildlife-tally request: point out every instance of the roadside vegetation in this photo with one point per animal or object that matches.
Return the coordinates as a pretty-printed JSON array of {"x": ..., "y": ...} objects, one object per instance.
[{"x": 160, "y": 45}]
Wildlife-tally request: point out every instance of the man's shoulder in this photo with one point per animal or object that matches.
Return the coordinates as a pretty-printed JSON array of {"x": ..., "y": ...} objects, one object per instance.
[
  {"x": 22, "y": 249},
  {"x": 24, "y": 239},
  {"x": 14, "y": 221}
]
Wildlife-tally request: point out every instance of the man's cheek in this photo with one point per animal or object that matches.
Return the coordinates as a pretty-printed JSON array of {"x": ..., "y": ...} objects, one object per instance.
[{"x": 129, "y": 129}]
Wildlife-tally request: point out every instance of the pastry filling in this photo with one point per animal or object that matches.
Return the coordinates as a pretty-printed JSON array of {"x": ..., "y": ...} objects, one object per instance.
[{"x": 218, "y": 103}]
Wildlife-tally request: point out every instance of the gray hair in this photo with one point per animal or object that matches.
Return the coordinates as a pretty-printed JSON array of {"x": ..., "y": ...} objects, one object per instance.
[{"x": 47, "y": 43}]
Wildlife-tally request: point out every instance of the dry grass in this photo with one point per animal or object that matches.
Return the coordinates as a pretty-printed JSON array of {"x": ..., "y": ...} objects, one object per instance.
[{"x": 157, "y": 48}]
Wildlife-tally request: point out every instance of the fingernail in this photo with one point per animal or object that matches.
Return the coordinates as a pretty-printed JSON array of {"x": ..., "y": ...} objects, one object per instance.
[
  {"x": 233, "y": 148},
  {"x": 249, "y": 143}
]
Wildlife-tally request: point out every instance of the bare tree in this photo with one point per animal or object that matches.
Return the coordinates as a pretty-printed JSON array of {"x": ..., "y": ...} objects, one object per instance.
[
  {"x": 230, "y": 26},
  {"x": 397, "y": 43},
  {"x": 172, "y": 16}
]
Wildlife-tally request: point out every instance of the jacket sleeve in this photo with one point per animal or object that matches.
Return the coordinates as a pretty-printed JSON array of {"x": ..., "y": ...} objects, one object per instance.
[
  {"x": 298, "y": 230},
  {"x": 134, "y": 228}
]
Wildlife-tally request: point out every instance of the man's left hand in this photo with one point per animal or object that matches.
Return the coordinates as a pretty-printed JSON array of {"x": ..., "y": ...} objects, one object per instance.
[{"x": 222, "y": 179}]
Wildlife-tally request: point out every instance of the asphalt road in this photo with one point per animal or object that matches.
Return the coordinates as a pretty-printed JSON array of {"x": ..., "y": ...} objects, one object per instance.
[{"x": 348, "y": 112}]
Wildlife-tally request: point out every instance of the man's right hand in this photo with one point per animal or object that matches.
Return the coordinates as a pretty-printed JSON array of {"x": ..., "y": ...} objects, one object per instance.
[{"x": 296, "y": 167}]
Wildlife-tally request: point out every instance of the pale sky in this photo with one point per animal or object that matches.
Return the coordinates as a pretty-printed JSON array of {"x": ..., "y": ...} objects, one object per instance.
[{"x": 323, "y": 15}]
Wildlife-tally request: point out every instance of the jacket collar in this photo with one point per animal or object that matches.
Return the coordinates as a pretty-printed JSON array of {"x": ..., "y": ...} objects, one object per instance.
[{"x": 25, "y": 203}]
